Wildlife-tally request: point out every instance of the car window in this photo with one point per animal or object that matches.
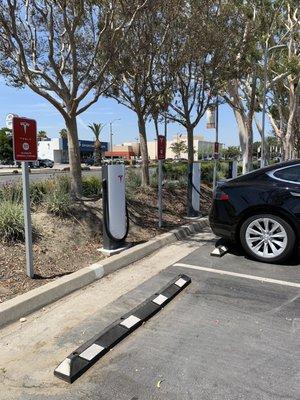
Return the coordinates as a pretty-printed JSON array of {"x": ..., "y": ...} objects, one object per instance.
[{"x": 291, "y": 174}]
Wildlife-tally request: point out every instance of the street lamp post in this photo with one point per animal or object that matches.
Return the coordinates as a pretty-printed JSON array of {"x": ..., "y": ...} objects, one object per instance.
[
  {"x": 111, "y": 136},
  {"x": 263, "y": 125},
  {"x": 216, "y": 141}
]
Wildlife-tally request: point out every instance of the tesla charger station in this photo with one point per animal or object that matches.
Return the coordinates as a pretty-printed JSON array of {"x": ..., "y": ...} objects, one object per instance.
[{"x": 115, "y": 219}]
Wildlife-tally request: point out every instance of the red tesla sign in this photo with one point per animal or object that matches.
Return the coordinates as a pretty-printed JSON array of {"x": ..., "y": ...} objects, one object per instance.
[
  {"x": 24, "y": 139},
  {"x": 161, "y": 147}
]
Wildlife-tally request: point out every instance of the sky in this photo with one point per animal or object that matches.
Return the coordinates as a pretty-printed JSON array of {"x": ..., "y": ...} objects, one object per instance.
[{"x": 26, "y": 103}]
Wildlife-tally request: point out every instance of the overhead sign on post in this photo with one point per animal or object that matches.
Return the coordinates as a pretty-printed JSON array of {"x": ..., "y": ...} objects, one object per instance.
[
  {"x": 24, "y": 139},
  {"x": 211, "y": 118},
  {"x": 9, "y": 119},
  {"x": 161, "y": 147}
]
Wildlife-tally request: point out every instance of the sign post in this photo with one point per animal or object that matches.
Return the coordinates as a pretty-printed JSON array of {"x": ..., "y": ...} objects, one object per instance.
[
  {"x": 161, "y": 155},
  {"x": 25, "y": 149}
]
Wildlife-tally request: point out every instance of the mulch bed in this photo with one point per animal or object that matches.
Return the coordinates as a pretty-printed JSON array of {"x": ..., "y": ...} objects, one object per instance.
[{"x": 67, "y": 245}]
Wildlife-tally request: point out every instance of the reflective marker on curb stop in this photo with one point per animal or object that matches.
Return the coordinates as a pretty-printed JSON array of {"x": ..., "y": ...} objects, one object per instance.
[{"x": 86, "y": 355}]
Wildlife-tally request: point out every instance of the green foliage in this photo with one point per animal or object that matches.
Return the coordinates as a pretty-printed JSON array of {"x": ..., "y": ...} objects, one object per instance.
[
  {"x": 42, "y": 135},
  {"x": 58, "y": 203},
  {"x": 96, "y": 129},
  {"x": 232, "y": 152},
  {"x": 207, "y": 172},
  {"x": 172, "y": 185},
  {"x": 178, "y": 148},
  {"x": 63, "y": 133},
  {"x": 175, "y": 171},
  {"x": 6, "y": 151},
  {"x": 63, "y": 183},
  {"x": 154, "y": 180},
  {"x": 11, "y": 222},
  {"x": 133, "y": 179},
  {"x": 38, "y": 190},
  {"x": 11, "y": 192},
  {"x": 91, "y": 186}
]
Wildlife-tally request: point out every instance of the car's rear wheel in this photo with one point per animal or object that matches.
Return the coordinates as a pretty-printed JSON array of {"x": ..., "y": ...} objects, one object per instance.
[{"x": 267, "y": 238}]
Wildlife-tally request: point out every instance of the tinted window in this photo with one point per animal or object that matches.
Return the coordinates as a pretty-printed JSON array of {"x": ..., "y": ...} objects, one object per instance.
[{"x": 289, "y": 174}]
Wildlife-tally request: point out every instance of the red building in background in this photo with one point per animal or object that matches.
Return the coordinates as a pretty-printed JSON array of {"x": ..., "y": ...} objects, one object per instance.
[{"x": 126, "y": 151}]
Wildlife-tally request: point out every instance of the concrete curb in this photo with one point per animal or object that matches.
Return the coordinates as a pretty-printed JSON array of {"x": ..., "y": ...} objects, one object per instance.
[{"x": 35, "y": 299}]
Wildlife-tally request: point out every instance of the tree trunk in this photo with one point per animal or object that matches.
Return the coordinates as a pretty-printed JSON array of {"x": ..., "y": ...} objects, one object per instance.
[
  {"x": 247, "y": 156},
  {"x": 190, "y": 142},
  {"x": 288, "y": 140},
  {"x": 244, "y": 119},
  {"x": 155, "y": 120},
  {"x": 74, "y": 156},
  {"x": 144, "y": 151},
  {"x": 97, "y": 152}
]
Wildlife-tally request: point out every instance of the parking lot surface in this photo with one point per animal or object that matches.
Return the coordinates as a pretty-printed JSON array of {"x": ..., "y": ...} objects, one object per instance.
[{"x": 232, "y": 334}]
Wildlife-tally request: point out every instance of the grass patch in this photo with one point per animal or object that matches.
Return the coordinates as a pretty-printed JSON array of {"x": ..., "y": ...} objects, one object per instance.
[
  {"x": 91, "y": 186},
  {"x": 58, "y": 203},
  {"x": 11, "y": 222}
]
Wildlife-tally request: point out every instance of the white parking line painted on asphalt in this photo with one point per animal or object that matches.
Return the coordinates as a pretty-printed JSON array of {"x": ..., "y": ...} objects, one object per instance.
[{"x": 252, "y": 277}]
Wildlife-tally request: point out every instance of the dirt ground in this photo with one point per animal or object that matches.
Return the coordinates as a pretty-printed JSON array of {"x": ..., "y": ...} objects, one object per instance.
[{"x": 66, "y": 245}]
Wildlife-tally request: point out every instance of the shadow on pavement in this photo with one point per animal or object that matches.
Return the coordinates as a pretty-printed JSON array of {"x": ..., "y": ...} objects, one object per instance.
[{"x": 237, "y": 250}]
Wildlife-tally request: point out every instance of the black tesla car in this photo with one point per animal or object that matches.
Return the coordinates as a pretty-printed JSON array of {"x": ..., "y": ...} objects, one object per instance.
[{"x": 261, "y": 210}]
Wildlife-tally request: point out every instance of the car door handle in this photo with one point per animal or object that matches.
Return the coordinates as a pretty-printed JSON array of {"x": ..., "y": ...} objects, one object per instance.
[{"x": 296, "y": 194}]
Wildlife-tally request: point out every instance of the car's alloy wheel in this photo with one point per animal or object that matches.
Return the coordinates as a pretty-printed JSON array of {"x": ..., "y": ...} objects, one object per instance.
[{"x": 267, "y": 238}]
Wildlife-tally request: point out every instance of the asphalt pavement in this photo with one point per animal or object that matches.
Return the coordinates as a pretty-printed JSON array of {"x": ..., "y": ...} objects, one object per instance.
[{"x": 232, "y": 334}]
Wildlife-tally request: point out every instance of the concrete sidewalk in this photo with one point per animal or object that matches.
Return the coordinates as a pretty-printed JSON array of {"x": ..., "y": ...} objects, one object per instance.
[{"x": 30, "y": 351}]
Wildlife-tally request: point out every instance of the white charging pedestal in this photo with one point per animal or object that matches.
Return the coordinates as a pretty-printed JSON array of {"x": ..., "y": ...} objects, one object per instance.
[
  {"x": 196, "y": 189},
  {"x": 115, "y": 221}
]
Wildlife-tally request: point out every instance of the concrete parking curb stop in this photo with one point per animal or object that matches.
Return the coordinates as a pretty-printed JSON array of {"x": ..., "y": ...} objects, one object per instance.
[
  {"x": 35, "y": 299},
  {"x": 87, "y": 354}
]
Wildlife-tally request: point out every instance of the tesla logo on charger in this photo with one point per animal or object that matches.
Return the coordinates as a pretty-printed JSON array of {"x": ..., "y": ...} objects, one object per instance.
[{"x": 120, "y": 178}]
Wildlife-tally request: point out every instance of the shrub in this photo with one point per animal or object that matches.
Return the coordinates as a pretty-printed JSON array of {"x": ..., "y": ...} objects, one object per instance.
[
  {"x": 11, "y": 222},
  {"x": 91, "y": 186},
  {"x": 154, "y": 180},
  {"x": 38, "y": 190},
  {"x": 58, "y": 203},
  {"x": 207, "y": 172},
  {"x": 133, "y": 179},
  {"x": 172, "y": 185},
  {"x": 182, "y": 182},
  {"x": 11, "y": 192},
  {"x": 63, "y": 184},
  {"x": 175, "y": 171}
]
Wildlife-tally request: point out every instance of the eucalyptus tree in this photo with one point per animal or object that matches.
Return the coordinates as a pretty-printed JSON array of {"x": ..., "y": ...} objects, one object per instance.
[
  {"x": 204, "y": 43},
  {"x": 137, "y": 71},
  {"x": 284, "y": 80},
  {"x": 51, "y": 46},
  {"x": 257, "y": 19},
  {"x": 264, "y": 31}
]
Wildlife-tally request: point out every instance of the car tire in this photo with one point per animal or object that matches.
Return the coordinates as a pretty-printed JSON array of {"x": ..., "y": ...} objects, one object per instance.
[{"x": 267, "y": 238}]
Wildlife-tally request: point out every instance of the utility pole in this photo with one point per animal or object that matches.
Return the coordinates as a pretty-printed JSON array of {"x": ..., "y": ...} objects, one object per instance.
[
  {"x": 111, "y": 136},
  {"x": 111, "y": 140},
  {"x": 216, "y": 141}
]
